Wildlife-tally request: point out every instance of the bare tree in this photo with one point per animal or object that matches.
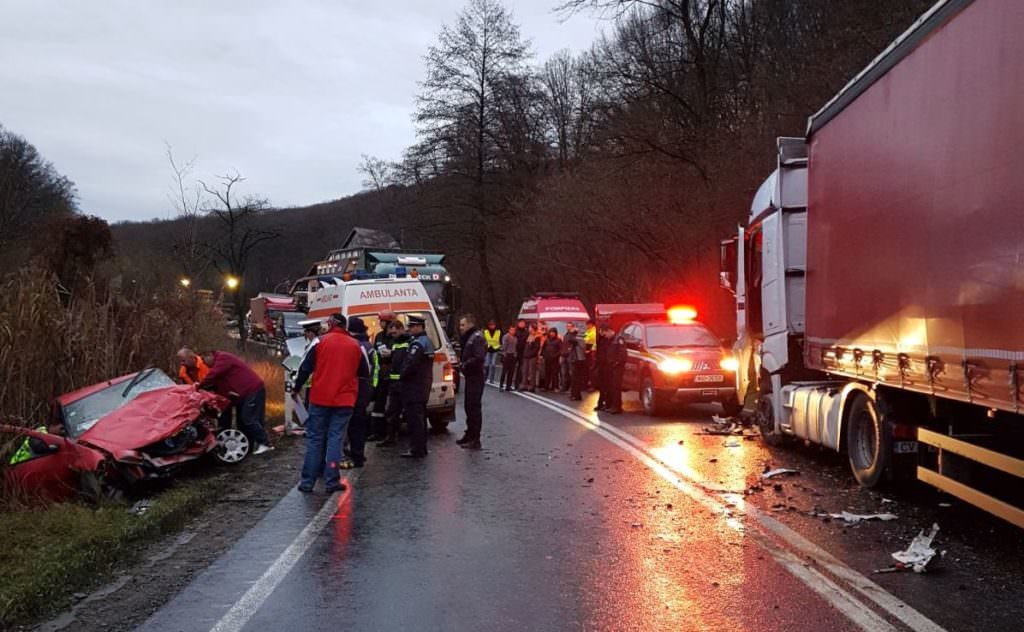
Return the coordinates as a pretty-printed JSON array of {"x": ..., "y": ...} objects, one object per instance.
[
  {"x": 239, "y": 235},
  {"x": 379, "y": 176},
  {"x": 186, "y": 197},
  {"x": 458, "y": 111}
]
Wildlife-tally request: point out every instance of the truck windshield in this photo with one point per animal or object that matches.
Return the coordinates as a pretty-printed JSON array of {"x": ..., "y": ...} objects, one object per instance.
[
  {"x": 680, "y": 336},
  {"x": 83, "y": 414}
]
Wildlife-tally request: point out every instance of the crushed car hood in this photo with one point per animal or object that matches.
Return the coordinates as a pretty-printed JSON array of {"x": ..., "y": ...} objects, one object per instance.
[{"x": 150, "y": 417}]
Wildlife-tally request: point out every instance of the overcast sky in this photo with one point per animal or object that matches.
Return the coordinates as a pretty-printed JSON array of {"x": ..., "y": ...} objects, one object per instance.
[{"x": 289, "y": 93}]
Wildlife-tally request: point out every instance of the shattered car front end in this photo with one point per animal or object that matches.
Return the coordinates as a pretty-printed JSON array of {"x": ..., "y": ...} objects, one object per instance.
[{"x": 116, "y": 434}]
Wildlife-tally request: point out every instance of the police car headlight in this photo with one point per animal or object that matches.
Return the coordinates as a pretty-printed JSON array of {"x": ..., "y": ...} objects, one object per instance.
[{"x": 675, "y": 366}]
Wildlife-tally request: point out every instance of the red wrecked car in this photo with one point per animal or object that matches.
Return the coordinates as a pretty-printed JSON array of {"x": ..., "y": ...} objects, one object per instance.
[{"x": 133, "y": 428}]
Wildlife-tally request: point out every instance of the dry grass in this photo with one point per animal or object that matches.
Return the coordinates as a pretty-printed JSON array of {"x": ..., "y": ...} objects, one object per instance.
[
  {"x": 51, "y": 343},
  {"x": 273, "y": 377}
]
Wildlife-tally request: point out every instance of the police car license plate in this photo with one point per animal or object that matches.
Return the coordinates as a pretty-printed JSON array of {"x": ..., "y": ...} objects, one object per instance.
[{"x": 709, "y": 378}]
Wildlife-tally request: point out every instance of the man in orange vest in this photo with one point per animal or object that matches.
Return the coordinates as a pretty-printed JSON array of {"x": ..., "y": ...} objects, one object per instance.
[{"x": 192, "y": 369}]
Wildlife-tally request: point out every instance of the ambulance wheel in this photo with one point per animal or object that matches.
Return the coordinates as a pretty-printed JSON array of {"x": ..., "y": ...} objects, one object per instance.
[
  {"x": 438, "y": 424},
  {"x": 868, "y": 444}
]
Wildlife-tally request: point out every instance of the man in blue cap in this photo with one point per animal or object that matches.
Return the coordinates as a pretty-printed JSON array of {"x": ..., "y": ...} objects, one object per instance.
[{"x": 416, "y": 379}]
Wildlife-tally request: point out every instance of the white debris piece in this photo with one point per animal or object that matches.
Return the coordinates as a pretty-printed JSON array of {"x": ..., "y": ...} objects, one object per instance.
[
  {"x": 778, "y": 472},
  {"x": 852, "y": 518},
  {"x": 731, "y": 443},
  {"x": 141, "y": 507},
  {"x": 920, "y": 553},
  {"x": 721, "y": 421}
]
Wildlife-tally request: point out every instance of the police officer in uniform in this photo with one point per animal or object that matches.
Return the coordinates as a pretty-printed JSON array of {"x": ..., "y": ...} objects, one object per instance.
[
  {"x": 399, "y": 351},
  {"x": 617, "y": 354},
  {"x": 474, "y": 368},
  {"x": 417, "y": 376},
  {"x": 382, "y": 345}
]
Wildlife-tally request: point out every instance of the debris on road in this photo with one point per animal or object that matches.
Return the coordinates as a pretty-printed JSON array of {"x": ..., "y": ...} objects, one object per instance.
[
  {"x": 731, "y": 443},
  {"x": 852, "y": 518},
  {"x": 781, "y": 471},
  {"x": 920, "y": 554}
]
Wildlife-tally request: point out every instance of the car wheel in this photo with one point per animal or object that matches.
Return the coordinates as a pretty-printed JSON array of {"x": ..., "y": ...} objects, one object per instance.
[
  {"x": 653, "y": 402},
  {"x": 232, "y": 446},
  {"x": 868, "y": 445}
]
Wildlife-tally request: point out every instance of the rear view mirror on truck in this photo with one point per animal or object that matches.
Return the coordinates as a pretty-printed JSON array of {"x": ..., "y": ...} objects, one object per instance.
[{"x": 727, "y": 265}]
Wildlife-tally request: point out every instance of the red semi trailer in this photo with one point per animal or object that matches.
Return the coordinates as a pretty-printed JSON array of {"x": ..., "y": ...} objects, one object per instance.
[{"x": 880, "y": 279}]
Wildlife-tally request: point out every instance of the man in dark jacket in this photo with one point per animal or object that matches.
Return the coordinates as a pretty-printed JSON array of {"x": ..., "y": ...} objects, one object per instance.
[
  {"x": 576, "y": 356},
  {"x": 602, "y": 360},
  {"x": 399, "y": 351},
  {"x": 552, "y": 353},
  {"x": 474, "y": 350},
  {"x": 417, "y": 377},
  {"x": 359, "y": 425},
  {"x": 617, "y": 354},
  {"x": 521, "y": 336}
]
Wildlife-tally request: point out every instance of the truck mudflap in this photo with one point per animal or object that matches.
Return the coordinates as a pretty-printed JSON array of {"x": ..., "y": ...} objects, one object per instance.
[{"x": 944, "y": 474}]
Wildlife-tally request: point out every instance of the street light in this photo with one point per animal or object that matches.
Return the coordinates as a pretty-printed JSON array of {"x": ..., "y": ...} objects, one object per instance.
[
  {"x": 185, "y": 281},
  {"x": 231, "y": 282}
]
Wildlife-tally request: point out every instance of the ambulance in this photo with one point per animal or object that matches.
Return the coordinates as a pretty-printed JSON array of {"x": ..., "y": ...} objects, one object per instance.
[
  {"x": 366, "y": 296},
  {"x": 555, "y": 309}
]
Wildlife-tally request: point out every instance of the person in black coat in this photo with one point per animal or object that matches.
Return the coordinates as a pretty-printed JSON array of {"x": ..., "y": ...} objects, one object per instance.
[
  {"x": 474, "y": 350},
  {"x": 617, "y": 354},
  {"x": 417, "y": 378},
  {"x": 522, "y": 335},
  {"x": 552, "y": 353}
]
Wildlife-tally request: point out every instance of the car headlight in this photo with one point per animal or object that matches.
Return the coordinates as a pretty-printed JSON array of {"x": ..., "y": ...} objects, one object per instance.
[
  {"x": 674, "y": 366},
  {"x": 730, "y": 363}
]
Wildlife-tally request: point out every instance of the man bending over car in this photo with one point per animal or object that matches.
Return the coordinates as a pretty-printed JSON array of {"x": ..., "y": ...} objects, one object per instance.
[{"x": 229, "y": 376}]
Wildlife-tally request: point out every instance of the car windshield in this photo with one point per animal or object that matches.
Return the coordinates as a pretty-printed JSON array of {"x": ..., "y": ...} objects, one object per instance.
[
  {"x": 83, "y": 414},
  {"x": 680, "y": 336}
]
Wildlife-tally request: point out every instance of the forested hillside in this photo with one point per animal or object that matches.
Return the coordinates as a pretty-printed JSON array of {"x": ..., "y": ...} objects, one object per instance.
[{"x": 614, "y": 172}]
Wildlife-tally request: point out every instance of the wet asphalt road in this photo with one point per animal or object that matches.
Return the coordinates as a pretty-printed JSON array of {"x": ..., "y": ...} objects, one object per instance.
[{"x": 559, "y": 525}]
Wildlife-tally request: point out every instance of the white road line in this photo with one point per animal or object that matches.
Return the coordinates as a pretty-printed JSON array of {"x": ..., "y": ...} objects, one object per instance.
[
  {"x": 685, "y": 482},
  {"x": 243, "y": 610}
]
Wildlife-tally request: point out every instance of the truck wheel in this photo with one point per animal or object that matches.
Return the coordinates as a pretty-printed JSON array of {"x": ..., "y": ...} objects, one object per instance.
[
  {"x": 654, "y": 403},
  {"x": 765, "y": 418},
  {"x": 868, "y": 445}
]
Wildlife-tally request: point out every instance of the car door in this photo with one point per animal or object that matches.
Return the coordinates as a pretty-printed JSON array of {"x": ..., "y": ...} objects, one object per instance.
[
  {"x": 631, "y": 372},
  {"x": 50, "y": 474}
]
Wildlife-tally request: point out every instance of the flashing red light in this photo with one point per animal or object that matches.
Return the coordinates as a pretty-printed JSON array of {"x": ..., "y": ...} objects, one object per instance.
[{"x": 681, "y": 314}]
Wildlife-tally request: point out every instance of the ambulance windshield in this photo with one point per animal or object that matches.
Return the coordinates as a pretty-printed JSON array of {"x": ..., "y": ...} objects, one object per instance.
[{"x": 373, "y": 326}]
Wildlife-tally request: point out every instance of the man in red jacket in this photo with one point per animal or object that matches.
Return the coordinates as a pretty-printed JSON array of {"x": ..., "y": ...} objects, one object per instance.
[
  {"x": 336, "y": 363},
  {"x": 229, "y": 376}
]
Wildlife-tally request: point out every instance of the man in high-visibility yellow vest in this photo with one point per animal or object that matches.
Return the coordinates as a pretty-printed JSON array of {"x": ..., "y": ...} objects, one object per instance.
[
  {"x": 492, "y": 346},
  {"x": 29, "y": 449},
  {"x": 590, "y": 341}
]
